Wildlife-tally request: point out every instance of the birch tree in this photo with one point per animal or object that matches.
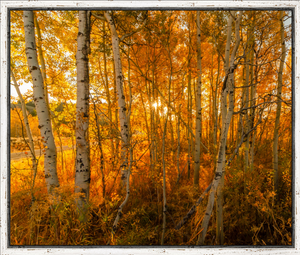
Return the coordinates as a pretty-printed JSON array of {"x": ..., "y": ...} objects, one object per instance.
[
  {"x": 219, "y": 214},
  {"x": 82, "y": 164},
  {"x": 226, "y": 115},
  {"x": 278, "y": 109},
  {"x": 41, "y": 58},
  {"x": 40, "y": 104},
  {"x": 124, "y": 118},
  {"x": 121, "y": 98},
  {"x": 198, "y": 107}
]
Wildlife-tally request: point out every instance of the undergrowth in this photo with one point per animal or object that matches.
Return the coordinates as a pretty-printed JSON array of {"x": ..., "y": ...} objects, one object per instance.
[{"x": 253, "y": 213}]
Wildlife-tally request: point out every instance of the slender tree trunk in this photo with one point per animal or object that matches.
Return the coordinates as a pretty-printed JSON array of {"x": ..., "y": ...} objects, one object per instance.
[
  {"x": 253, "y": 135},
  {"x": 252, "y": 99},
  {"x": 240, "y": 130},
  {"x": 82, "y": 165},
  {"x": 189, "y": 107},
  {"x": 153, "y": 131},
  {"x": 28, "y": 131},
  {"x": 121, "y": 98},
  {"x": 247, "y": 103},
  {"x": 220, "y": 169},
  {"x": 219, "y": 204},
  {"x": 232, "y": 121},
  {"x": 278, "y": 110},
  {"x": 101, "y": 150},
  {"x": 198, "y": 107},
  {"x": 40, "y": 103},
  {"x": 41, "y": 58},
  {"x": 61, "y": 150},
  {"x": 108, "y": 93},
  {"x": 178, "y": 146},
  {"x": 119, "y": 214},
  {"x": 164, "y": 182},
  {"x": 216, "y": 111},
  {"x": 172, "y": 140}
]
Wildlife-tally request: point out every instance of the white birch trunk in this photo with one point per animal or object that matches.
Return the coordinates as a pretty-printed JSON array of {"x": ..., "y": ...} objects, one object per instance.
[
  {"x": 108, "y": 94},
  {"x": 41, "y": 58},
  {"x": 219, "y": 204},
  {"x": 82, "y": 164},
  {"x": 278, "y": 110},
  {"x": 198, "y": 107},
  {"x": 121, "y": 98},
  {"x": 40, "y": 104},
  {"x": 228, "y": 84}
]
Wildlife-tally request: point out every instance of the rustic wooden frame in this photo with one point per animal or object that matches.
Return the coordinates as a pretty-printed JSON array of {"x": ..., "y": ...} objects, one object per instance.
[{"x": 101, "y": 4}]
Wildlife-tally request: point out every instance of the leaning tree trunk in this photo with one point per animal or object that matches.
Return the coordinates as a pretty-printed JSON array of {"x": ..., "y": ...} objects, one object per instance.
[
  {"x": 278, "y": 110},
  {"x": 227, "y": 86},
  {"x": 219, "y": 204},
  {"x": 28, "y": 131},
  {"x": 121, "y": 98},
  {"x": 82, "y": 164},
  {"x": 123, "y": 118},
  {"x": 40, "y": 104},
  {"x": 198, "y": 107}
]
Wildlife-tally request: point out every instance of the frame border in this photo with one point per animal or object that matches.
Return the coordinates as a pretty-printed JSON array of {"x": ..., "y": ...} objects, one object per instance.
[{"x": 7, "y": 6}]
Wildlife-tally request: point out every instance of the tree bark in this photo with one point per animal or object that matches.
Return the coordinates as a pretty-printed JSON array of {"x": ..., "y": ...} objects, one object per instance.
[
  {"x": 121, "y": 98},
  {"x": 220, "y": 169},
  {"x": 40, "y": 103},
  {"x": 82, "y": 164},
  {"x": 41, "y": 58},
  {"x": 278, "y": 109},
  {"x": 108, "y": 93},
  {"x": 219, "y": 203},
  {"x": 198, "y": 107}
]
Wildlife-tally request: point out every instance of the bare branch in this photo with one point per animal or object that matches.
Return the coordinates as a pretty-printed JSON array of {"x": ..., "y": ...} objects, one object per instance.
[
  {"x": 130, "y": 34},
  {"x": 98, "y": 17}
]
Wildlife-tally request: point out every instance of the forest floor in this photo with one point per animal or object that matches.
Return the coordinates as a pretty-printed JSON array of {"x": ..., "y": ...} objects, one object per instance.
[{"x": 250, "y": 215}]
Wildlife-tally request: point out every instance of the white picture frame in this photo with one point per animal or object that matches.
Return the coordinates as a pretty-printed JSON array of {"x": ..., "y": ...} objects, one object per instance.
[{"x": 4, "y": 102}]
